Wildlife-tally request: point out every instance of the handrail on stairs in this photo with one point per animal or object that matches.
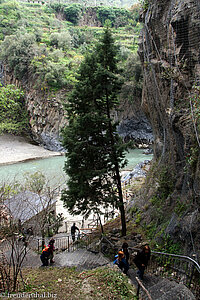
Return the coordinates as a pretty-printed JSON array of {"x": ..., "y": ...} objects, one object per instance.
[
  {"x": 182, "y": 257},
  {"x": 180, "y": 268},
  {"x": 65, "y": 243}
]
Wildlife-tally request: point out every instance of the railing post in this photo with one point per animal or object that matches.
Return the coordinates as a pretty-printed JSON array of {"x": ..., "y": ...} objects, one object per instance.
[
  {"x": 143, "y": 287},
  {"x": 68, "y": 243},
  {"x": 138, "y": 290},
  {"x": 192, "y": 273}
]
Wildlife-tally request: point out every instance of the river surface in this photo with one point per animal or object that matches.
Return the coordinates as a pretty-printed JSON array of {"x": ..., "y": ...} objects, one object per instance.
[{"x": 52, "y": 167}]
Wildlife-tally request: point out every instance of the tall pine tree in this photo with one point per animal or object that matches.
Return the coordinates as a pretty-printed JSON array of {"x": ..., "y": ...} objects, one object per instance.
[{"x": 95, "y": 152}]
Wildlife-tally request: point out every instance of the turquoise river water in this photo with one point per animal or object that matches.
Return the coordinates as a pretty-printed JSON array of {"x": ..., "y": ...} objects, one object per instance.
[{"x": 52, "y": 167}]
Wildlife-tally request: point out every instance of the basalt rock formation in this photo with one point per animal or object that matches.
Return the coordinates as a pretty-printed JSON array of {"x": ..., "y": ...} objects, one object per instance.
[
  {"x": 46, "y": 118},
  {"x": 170, "y": 54},
  {"x": 45, "y": 111},
  {"x": 135, "y": 127}
]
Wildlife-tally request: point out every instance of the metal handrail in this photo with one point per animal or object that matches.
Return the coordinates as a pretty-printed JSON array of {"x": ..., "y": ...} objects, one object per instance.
[
  {"x": 65, "y": 242},
  {"x": 180, "y": 268},
  {"x": 172, "y": 255},
  {"x": 183, "y": 257}
]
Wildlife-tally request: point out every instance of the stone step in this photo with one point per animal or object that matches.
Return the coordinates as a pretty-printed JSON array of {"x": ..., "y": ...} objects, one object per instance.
[
  {"x": 148, "y": 280},
  {"x": 180, "y": 292},
  {"x": 161, "y": 288}
]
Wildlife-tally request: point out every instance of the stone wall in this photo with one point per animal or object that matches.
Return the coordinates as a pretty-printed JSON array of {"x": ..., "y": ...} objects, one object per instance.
[{"x": 45, "y": 111}]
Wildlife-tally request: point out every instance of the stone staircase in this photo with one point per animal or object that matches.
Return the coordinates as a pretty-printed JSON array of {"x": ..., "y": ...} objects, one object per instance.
[
  {"x": 162, "y": 288},
  {"x": 81, "y": 258},
  {"x": 158, "y": 287}
]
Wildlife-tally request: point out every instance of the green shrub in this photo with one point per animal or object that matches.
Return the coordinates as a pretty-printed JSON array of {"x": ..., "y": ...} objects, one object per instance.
[
  {"x": 52, "y": 69},
  {"x": 61, "y": 40},
  {"x": 17, "y": 51},
  {"x": 145, "y": 4},
  {"x": 106, "y": 13},
  {"x": 117, "y": 16},
  {"x": 72, "y": 13},
  {"x": 54, "y": 74},
  {"x": 78, "y": 37},
  {"x": 13, "y": 115}
]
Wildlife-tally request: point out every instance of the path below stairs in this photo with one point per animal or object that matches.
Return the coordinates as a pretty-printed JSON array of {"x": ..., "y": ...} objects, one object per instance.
[{"x": 81, "y": 258}]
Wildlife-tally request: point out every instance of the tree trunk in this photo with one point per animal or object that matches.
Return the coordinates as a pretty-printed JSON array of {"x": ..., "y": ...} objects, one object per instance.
[
  {"x": 102, "y": 231},
  {"x": 121, "y": 202},
  {"x": 118, "y": 179}
]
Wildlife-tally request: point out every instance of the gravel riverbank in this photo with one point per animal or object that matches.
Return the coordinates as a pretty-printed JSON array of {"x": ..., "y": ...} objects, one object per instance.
[{"x": 15, "y": 149}]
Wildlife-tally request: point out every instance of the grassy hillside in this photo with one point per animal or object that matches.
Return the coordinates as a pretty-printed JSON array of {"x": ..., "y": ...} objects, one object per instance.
[
  {"x": 42, "y": 41},
  {"x": 67, "y": 283}
]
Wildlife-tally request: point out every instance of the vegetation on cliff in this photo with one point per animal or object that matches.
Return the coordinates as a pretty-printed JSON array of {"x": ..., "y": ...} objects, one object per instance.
[
  {"x": 13, "y": 115},
  {"x": 42, "y": 48},
  {"x": 76, "y": 12},
  {"x": 39, "y": 47}
]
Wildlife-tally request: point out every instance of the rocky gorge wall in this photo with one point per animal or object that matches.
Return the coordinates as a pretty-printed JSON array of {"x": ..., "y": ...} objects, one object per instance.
[
  {"x": 133, "y": 123},
  {"x": 170, "y": 54},
  {"x": 47, "y": 116}
]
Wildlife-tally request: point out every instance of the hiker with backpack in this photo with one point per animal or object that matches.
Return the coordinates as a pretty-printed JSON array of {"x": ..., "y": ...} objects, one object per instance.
[
  {"x": 141, "y": 260},
  {"x": 126, "y": 252},
  {"x": 47, "y": 253},
  {"x": 51, "y": 250},
  {"x": 121, "y": 262}
]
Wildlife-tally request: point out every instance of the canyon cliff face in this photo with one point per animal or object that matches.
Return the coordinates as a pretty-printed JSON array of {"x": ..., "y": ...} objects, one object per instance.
[
  {"x": 133, "y": 123},
  {"x": 46, "y": 113},
  {"x": 47, "y": 116},
  {"x": 170, "y": 55}
]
